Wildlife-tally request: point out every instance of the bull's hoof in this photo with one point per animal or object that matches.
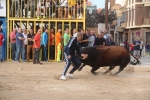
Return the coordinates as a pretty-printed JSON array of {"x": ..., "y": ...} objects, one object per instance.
[
  {"x": 114, "y": 74},
  {"x": 94, "y": 73},
  {"x": 104, "y": 73},
  {"x": 79, "y": 69}
]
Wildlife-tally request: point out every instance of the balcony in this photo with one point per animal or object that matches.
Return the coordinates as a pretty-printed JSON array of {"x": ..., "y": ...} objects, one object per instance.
[
  {"x": 46, "y": 10},
  {"x": 123, "y": 25},
  {"x": 146, "y": 2},
  {"x": 146, "y": 21}
]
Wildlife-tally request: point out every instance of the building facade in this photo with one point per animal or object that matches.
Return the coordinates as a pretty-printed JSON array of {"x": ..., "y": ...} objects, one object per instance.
[{"x": 138, "y": 20}]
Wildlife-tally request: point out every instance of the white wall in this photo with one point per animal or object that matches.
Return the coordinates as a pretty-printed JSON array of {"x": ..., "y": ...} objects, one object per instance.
[
  {"x": 101, "y": 26},
  {"x": 121, "y": 2}
]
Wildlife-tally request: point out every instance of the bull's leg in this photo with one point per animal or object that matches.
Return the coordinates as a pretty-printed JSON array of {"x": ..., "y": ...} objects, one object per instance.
[
  {"x": 94, "y": 69},
  {"x": 80, "y": 68},
  {"x": 109, "y": 70},
  {"x": 120, "y": 70}
]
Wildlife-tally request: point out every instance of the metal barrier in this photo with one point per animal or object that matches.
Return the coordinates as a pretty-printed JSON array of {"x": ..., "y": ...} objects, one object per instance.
[
  {"x": 63, "y": 9},
  {"x": 41, "y": 24},
  {"x": 29, "y": 13}
]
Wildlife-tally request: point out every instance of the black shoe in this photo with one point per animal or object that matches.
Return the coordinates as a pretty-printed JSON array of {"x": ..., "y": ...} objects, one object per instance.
[
  {"x": 34, "y": 62},
  {"x": 39, "y": 63},
  {"x": 1, "y": 61}
]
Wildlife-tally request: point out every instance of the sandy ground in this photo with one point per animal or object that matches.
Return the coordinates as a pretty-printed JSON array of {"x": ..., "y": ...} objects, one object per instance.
[{"x": 25, "y": 81}]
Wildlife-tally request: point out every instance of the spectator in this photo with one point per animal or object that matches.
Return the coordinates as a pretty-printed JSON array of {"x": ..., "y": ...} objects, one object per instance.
[
  {"x": 44, "y": 45},
  {"x": 141, "y": 47},
  {"x": 75, "y": 32},
  {"x": 100, "y": 40},
  {"x": 122, "y": 44},
  {"x": 37, "y": 45},
  {"x": 58, "y": 44},
  {"x": 131, "y": 48},
  {"x": 91, "y": 39},
  {"x": 71, "y": 4},
  {"x": 39, "y": 8},
  {"x": 52, "y": 7},
  {"x": 105, "y": 34},
  {"x": 80, "y": 9},
  {"x": 32, "y": 7},
  {"x": 13, "y": 44},
  {"x": 87, "y": 32},
  {"x": 66, "y": 37},
  {"x": 1, "y": 45},
  {"x": 52, "y": 45},
  {"x": 109, "y": 41},
  {"x": 63, "y": 6},
  {"x": 84, "y": 41},
  {"x": 24, "y": 50},
  {"x": 126, "y": 44},
  {"x": 19, "y": 45},
  {"x": 136, "y": 45},
  {"x": 147, "y": 49},
  {"x": 102, "y": 33},
  {"x": 94, "y": 34},
  {"x": 30, "y": 48}
]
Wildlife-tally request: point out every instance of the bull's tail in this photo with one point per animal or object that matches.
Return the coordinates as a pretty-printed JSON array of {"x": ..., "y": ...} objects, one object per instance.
[{"x": 133, "y": 62}]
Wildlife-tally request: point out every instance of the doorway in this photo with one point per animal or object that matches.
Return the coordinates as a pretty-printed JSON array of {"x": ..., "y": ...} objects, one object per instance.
[{"x": 148, "y": 37}]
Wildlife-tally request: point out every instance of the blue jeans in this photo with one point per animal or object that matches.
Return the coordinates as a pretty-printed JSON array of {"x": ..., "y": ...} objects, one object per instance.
[
  {"x": 18, "y": 51},
  {"x": 1, "y": 52},
  {"x": 76, "y": 62},
  {"x": 13, "y": 50},
  {"x": 23, "y": 52}
]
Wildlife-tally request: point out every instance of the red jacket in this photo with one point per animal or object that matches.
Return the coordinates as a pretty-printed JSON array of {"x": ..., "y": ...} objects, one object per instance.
[{"x": 1, "y": 39}]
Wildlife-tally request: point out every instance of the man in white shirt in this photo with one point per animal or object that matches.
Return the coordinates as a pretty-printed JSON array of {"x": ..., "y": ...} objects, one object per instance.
[
  {"x": 75, "y": 33},
  {"x": 24, "y": 49},
  {"x": 63, "y": 6}
]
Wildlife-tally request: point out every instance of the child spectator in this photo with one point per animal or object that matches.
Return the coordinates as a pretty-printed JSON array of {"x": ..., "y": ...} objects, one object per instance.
[{"x": 147, "y": 49}]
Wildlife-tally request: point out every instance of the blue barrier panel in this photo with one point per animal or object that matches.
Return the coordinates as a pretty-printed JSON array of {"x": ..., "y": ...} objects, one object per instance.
[{"x": 4, "y": 32}]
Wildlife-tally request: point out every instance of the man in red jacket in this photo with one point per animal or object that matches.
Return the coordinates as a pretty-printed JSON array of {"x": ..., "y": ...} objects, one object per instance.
[
  {"x": 1, "y": 44},
  {"x": 36, "y": 46}
]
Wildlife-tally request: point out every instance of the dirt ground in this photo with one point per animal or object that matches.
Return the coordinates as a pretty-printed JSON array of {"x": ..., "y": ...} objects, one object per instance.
[{"x": 25, "y": 81}]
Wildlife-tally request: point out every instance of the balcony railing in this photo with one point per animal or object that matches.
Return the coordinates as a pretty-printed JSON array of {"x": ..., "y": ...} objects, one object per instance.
[
  {"x": 146, "y": 0},
  {"x": 146, "y": 21},
  {"x": 47, "y": 9}
]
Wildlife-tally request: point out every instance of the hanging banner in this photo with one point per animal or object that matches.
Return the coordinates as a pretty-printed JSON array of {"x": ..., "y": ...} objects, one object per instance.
[{"x": 2, "y": 8}]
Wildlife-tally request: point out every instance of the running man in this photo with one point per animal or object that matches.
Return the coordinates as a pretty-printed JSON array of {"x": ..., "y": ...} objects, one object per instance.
[{"x": 70, "y": 56}]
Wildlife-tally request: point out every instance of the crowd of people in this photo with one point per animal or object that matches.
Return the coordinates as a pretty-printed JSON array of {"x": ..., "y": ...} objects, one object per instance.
[
  {"x": 28, "y": 44},
  {"x": 136, "y": 47},
  {"x": 47, "y": 8}
]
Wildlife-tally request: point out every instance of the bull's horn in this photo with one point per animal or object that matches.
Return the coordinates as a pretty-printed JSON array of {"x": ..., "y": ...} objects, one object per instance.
[{"x": 83, "y": 58}]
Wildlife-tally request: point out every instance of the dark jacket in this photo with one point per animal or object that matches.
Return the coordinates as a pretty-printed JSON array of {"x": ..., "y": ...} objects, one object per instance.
[{"x": 73, "y": 46}]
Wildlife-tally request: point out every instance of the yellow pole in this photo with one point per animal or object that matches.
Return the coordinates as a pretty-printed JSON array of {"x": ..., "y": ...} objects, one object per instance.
[
  {"x": 84, "y": 17},
  {"x": 77, "y": 26},
  {"x": 62, "y": 40},
  {"x": 48, "y": 44},
  {"x": 70, "y": 28},
  {"x": 55, "y": 41}
]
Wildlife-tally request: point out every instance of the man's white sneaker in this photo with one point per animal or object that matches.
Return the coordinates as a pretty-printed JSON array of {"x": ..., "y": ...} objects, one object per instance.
[
  {"x": 70, "y": 75},
  {"x": 62, "y": 77}
]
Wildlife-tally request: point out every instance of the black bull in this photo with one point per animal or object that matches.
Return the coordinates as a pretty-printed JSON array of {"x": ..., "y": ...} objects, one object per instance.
[{"x": 102, "y": 56}]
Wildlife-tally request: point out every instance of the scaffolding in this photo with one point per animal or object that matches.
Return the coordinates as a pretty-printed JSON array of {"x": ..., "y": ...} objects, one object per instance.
[{"x": 20, "y": 16}]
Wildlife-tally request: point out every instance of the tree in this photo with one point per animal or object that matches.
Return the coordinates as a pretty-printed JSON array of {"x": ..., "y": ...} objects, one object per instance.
[{"x": 93, "y": 19}]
